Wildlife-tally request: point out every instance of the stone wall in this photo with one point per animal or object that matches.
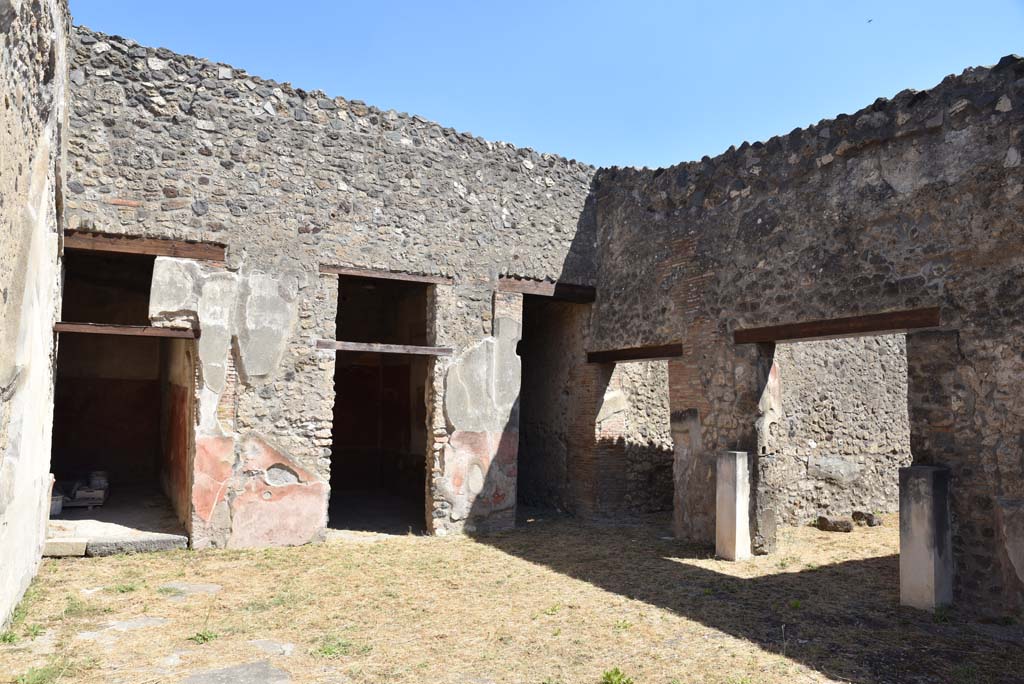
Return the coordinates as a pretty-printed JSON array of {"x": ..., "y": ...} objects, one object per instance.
[
  {"x": 33, "y": 83},
  {"x": 912, "y": 202},
  {"x": 631, "y": 452},
  {"x": 645, "y": 441},
  {"x": 844, "y": 430},
  {"x": 170, "y": 146}
]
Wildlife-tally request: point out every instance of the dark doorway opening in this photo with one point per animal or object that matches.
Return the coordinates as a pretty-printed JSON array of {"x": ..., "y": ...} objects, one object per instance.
[
  {"x": 378, "y": 460},
  {"x": 551, "y": 352},
  {"x": 594, "y": 437},
  {"x": 123, "y": 411}
]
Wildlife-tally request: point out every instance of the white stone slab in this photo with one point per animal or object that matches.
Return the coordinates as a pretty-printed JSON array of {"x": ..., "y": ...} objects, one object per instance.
[
  {"x": 926, "y": 540},
  {"x": 732, "y": 498}
]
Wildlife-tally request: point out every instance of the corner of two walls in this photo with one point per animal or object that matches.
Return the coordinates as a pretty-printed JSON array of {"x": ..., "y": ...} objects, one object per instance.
[{"x": 33, "y": 75}]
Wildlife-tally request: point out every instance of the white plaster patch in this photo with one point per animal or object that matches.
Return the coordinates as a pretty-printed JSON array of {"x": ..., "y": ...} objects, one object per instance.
[{"x": 1012, "y": 158}]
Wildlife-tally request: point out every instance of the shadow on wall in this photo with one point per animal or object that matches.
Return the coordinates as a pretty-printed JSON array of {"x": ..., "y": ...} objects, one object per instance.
[
  {"x": 648, "y": 474},
  {"x": 581, "y": 437},
  {"x": 842, "y": 619},
  {"x": 482, "y": 402},
  {"x": 617, "y": 478}
]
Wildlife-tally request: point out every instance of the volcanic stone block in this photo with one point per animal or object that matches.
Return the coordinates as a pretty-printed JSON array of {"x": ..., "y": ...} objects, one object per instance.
[{"x": 926, "y": 554}]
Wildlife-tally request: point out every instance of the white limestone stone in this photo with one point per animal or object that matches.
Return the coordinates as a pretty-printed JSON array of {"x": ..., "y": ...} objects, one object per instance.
[
  {"x": 926, "y": 553},
  {"x": 732, "y": 496}
]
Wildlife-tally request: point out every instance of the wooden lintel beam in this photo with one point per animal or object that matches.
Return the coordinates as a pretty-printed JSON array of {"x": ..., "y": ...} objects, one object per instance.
[
  {"x": 385, "y": 275},
  {"x": 129, "y": 330},
  {"x": 649, "y": 353},
  {"x": 872, "y": 324},
  {"x": 569, "y": 292},
  {"x": 338, "y": 345},
  {"x": 125, "y": 244}
]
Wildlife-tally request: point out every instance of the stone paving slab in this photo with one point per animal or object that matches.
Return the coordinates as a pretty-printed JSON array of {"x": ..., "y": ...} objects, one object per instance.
[
  {"x": 261, "y": 672},
  {"x": 180, "y": 591},
  {"x": 273, "y": 648},
  {"x": 105, "y": 634}
]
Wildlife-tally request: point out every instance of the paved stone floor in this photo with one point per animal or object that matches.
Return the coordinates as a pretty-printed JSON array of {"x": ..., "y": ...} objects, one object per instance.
[{"x": 133, "y": 519}]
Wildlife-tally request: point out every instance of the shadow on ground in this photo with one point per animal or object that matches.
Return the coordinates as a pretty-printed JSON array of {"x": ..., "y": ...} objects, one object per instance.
[{"x": 842, "y": 620}]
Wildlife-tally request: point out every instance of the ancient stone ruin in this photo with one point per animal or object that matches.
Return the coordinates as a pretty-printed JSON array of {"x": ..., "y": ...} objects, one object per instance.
[{"x": 278, "y": 312}]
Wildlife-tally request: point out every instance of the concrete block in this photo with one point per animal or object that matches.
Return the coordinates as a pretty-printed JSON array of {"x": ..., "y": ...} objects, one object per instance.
[
  {"x": 732, "y": 497},
  {"x": 926, "y": 554},
  {"x": 65, "y": 546}
]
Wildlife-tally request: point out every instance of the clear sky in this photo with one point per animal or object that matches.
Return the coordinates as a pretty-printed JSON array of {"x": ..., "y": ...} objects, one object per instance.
[{"x": 641, "y": 83}]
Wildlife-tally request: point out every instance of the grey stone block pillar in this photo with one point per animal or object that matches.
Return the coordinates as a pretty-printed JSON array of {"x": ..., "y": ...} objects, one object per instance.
[
  {"x": 732, "y": 499},
  {"x": 926, "y": 554}
]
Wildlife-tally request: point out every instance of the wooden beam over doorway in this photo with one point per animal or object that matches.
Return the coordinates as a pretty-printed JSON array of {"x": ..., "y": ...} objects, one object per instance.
[
  {"x": 871, "y": 324},
  {"x": 126, "y": 244},
  {"x": 580, "y": 294},
  {"x": 649, "y": 353},
  {"x": 128, "y": 330},
  {"x": 385, "y": 275},
  {"x": 338, "y": 345}
]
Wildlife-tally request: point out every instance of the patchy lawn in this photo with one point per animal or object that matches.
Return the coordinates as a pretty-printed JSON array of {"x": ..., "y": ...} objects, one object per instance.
[{"x": 554, "y": 601}]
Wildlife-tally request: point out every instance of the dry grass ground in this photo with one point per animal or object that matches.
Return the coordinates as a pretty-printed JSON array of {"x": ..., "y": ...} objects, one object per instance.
[{"x": 554, "y": 601}]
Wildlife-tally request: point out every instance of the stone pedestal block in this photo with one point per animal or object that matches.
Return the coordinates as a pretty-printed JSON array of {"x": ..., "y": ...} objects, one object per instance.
[
  {"x": 732, "y": 497},
  {"x": 926, "y": 554}
]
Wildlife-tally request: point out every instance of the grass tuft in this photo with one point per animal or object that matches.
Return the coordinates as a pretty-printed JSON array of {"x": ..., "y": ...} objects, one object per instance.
[
  {"x": 60, "y": 669},
  {"x": 615, "y": 676},
  {"x": 203, "y": 637},
  {"x": 333, "y": 646},
  {"x": 75, "y": 607},
  {"x": 125, "y": 588}
]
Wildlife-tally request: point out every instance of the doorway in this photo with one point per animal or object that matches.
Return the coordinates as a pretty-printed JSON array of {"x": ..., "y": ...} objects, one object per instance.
[
  {"x": 123, "y": 409},
  {"x": 379, "y": 436}
]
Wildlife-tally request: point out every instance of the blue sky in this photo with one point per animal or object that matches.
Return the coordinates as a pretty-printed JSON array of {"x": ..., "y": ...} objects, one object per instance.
[{"x": 609, "y": 83}]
